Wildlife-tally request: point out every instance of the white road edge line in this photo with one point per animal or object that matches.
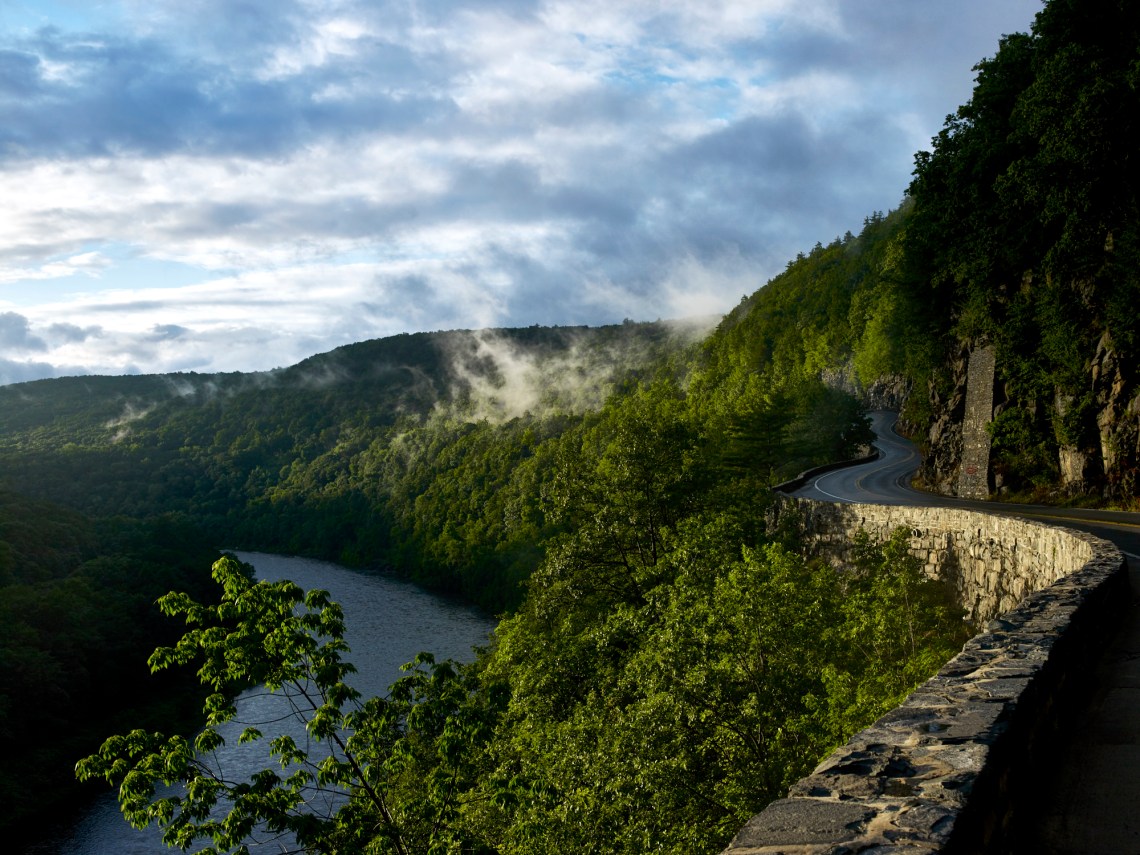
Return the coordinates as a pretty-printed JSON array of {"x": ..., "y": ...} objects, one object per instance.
[{"x": 839, "y": 499}]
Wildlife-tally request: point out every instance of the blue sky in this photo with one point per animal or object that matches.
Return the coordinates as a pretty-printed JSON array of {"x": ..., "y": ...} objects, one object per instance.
[{"x": 218, "y": 185}]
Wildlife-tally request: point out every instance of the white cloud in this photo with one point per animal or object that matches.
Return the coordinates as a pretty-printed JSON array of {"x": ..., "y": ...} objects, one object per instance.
[
  {"x": 88, "y": 263},
  {"x": 326, "y": 42},
  {"x": 335, "y": 169}
]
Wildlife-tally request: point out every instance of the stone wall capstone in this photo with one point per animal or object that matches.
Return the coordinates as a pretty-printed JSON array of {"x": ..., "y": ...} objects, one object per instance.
[{"x": 953, "y": 769}]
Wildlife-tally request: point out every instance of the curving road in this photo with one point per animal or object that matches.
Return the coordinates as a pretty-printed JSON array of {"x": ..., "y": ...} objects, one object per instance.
[
  {"x": 886, "y": 481},
  {"x": 1090, "y": 805}
]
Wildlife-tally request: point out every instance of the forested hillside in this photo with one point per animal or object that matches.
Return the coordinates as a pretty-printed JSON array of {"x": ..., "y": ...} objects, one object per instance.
[
  {"x": 1020, "y": 232},
  {"x": 1024, "y": 233},
  {"x": 665, "y": 664},
  {"x": 77, "y": 622},
  {"x": 672, "y": 667},
  {"x": 617, "y": 478},
  {"x": 428, "y": 453}
]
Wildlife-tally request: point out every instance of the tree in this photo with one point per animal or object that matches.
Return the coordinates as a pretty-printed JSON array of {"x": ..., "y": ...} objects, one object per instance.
[
  {"x": 960, "y": 238},
  {"x": 393, "y": 773},
  {"x": 660, "y": 726},
  {"x": 895, "y": 627}
]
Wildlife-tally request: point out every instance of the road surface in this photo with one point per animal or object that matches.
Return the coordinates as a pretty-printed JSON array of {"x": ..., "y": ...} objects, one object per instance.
[{"x": 886, "y": 481}]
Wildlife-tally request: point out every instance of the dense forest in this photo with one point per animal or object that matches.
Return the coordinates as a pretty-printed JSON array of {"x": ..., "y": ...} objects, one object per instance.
[
  {"x": 1025, "y": 230},
  {"x": 428, "y": 452},
  {"x": 665, "y": 664},
  {"x": 77, "y": 622}
]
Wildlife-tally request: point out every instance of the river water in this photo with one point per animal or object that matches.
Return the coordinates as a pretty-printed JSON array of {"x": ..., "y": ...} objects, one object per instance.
[{"x": 388, "y": 622}]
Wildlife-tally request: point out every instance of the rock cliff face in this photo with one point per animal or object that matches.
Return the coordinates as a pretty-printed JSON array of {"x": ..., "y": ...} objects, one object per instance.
[
  {"x": 889, "y": 392},
  {"x": 1092, "y": 437},
  {"x": 944, "y": 434},
  {"x": 1116, "y": 400}
]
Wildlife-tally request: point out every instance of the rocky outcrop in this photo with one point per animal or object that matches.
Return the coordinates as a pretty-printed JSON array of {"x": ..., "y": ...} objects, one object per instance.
[
  {"x": 943, "y": 442},
  {"x": 889, "y": 392},
  {"x": 1093, "y": 433},
  {"x": 842, "y": 377},
  {"x": 1117, "y": 404},
  {"x": 1078, "y": 459}
]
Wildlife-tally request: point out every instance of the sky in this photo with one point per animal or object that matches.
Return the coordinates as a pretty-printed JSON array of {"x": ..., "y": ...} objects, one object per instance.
[{"x": 224, "y": 185}]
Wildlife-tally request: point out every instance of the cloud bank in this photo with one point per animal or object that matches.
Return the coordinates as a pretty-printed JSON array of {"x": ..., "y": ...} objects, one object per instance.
[{"x": 236, "y": 184}]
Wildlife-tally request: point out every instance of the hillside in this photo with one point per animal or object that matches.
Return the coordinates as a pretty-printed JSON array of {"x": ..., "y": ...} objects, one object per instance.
[
  {"x": 1019, "y": 233},
  {"x": 665, "y": 663},
  {"x": 374, "y": 453},
  {"x": 598, "y": 479},
  {"x": 1024, "y": 237},
  {"x": 408, "y": 374},
  {"x": 77, "y": 622}
]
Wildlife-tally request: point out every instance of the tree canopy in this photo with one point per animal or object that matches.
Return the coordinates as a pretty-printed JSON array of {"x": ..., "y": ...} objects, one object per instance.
[{"x": 1025, "y": 232}]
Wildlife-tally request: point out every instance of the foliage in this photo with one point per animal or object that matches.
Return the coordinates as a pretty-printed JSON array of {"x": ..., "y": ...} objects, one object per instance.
[
  {"x": 665, "y": 665},
  {"x": 895, "y": 627},
  {"x": 661, "y": 719},
  {"x": 607, "y": 718},
  {"x": 355, "y": 471},
  {"x": 603, "y": 510},
  {"x": 843, "y": 305},
  {"x": 77, "y": 618},
  {"x": 1019, "y": 452},
  {"x": 362, "y": 761},
  {"x": 378, "y": 454},
  {"x": 1026, "y": 218}
]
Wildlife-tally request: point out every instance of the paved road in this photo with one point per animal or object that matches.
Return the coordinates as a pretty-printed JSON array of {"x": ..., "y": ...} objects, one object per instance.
[
  {"x": 886, "y": 481},
  {"x": 1091, "y": 805}
]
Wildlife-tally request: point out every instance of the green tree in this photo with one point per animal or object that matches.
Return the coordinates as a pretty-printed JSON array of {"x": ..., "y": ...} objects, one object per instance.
[
  {"x": 394, "y": 771},
  {"x": 602, "y": 723},
  {"x": 895, "y": 627},
  {"x": 1025, "y": 221}
]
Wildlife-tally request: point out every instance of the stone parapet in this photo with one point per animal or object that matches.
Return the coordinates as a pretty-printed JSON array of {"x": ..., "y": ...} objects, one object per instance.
[
  {"x": 953, "y": 769},
  {"x": 992, "y": 561}
]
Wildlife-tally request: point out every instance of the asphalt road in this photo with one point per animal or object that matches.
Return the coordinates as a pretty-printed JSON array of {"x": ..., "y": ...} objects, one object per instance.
[
  {"x": 886, "y": 481},
  {"x": 1090, "y": 804}
]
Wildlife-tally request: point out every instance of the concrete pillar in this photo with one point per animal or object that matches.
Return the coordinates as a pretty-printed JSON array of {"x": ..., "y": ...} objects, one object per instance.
[{"x": 974, "y": 474}]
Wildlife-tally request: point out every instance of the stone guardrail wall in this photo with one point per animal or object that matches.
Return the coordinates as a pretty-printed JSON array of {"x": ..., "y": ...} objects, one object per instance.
[{"x": 953, "y": 769}]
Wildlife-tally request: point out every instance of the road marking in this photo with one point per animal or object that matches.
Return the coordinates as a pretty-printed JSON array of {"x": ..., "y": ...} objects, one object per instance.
[
  {"x": 1084, "y": 520},
  {"x": 831, "y": 495}
]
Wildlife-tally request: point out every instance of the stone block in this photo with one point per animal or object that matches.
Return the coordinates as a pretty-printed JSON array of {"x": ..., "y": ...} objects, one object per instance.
[{"x": 802, "y": 821}]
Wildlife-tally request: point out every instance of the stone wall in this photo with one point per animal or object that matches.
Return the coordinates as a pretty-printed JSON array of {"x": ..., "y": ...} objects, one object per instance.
[
  {"x": 994, "y": 562},
  {"x": 953, "y": 769}
]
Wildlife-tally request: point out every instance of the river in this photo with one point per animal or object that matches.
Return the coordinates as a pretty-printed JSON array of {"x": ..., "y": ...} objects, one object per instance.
[{"x": 388, "y": 620}]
